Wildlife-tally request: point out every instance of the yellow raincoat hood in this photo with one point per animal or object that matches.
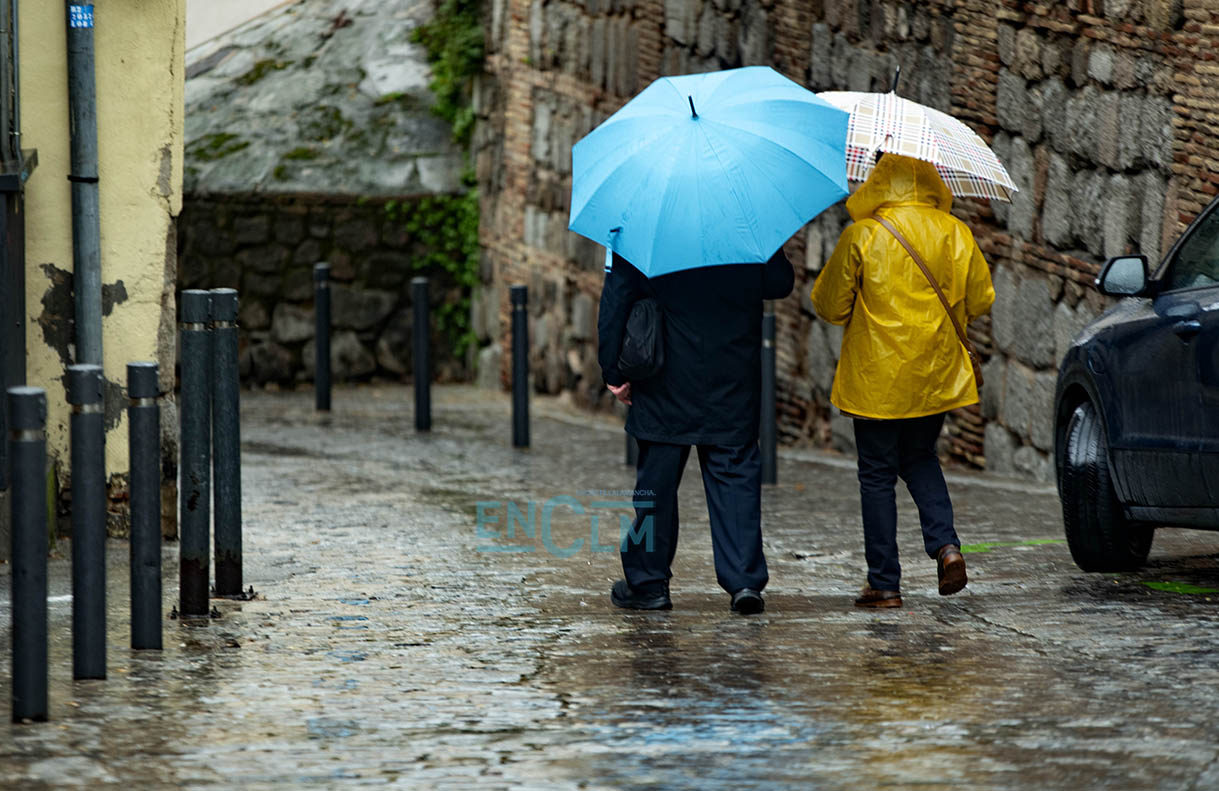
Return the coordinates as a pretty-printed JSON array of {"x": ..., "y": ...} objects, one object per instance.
[
  {"x": 900, "y": 355},
  {"x": 898, "y": 180}
]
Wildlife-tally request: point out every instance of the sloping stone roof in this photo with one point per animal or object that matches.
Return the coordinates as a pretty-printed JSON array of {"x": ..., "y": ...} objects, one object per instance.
[{"x": 318, "y": 97}]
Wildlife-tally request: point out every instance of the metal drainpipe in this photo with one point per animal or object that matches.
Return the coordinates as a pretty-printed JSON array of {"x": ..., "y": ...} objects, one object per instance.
[
  {"x": 16, "y": 78},
  {"x": 86, "y": 225}
]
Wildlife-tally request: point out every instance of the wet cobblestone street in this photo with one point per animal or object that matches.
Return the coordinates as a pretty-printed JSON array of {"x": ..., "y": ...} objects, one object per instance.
[{"x": 392, "y": 645}]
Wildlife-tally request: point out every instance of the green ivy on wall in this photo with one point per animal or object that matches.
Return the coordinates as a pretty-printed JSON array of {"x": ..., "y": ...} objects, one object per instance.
[
  {"x": 454, "y": 44},
  {"x": 445, "y": 227}
]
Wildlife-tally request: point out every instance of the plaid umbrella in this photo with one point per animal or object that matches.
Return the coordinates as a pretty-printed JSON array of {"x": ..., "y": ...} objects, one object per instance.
[{"x": 887, "y": 122}]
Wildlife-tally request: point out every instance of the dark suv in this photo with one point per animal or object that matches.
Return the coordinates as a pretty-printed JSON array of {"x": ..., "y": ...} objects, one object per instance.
[{"x": 1137, "y": 405}]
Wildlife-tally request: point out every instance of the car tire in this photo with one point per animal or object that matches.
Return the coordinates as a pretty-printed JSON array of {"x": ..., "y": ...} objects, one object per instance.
[{"x": 1099, "y": 535}]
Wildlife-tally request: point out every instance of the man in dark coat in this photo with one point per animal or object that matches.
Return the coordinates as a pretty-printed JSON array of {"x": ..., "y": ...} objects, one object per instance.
[{"x": 707, "y": 394}]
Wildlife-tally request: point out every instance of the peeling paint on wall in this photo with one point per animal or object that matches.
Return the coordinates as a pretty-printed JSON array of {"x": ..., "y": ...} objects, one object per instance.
[
  {"x": 58, "y": 309},
  {"x": 115, "y": 399},
  {"x": 165, "y": 180},
  {"x": 113, "y": 294}
]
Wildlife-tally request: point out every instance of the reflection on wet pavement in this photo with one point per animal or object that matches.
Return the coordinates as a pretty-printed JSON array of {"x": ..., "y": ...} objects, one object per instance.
[{"x": 392, "y": 648}]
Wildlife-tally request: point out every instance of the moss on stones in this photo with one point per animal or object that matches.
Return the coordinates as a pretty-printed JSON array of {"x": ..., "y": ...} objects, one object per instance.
[
  {"x": 261, "y": 69},
  {"x": 210, "y": 148},
  {"x": 301, "y": 153}
]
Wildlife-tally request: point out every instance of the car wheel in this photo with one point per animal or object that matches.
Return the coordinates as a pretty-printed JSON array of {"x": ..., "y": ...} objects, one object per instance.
[{"x": 1099, "y": 535}]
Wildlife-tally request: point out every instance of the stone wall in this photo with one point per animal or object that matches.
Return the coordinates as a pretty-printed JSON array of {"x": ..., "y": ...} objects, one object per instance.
[
  {"x": 1102, "y": 111},
  {"x": 266, "y": 248}
]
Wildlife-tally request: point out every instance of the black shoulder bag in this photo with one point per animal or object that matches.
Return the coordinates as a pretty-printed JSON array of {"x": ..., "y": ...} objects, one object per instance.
[{"x": 642, "y": 354}]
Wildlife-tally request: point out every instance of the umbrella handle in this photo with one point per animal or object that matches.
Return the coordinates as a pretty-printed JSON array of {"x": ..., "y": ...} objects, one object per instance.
[
  {"x": 609, "y": 248},
  {"x": 876, "y": 155}
]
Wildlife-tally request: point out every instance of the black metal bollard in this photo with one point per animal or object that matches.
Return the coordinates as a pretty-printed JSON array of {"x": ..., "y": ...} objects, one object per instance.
[
  {"x": 195, "y": 491},
  {"x": 144, "y": 439},
  {"x": 226, "y": 442},
  {"x": 321, "y": 338},
  {"x": 27, "y": 410},
  {"x": 84, "y": 385},
  {"x": 768, "y": 429},
  {"x": 422, "y": 363},
  {"x": 520, "y": 366}
]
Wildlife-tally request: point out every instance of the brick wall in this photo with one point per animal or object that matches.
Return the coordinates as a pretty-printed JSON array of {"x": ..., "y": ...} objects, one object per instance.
[{"x": 1103, "y": 112}]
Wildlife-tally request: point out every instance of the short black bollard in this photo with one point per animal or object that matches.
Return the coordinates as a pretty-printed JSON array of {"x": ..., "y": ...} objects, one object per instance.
[
  {"x": 520, "y": 365},
  {"x": 195, "y": 490},
  {"x": 88, "y": 521},
  {"x": 768, "y": 429},
  {"x": 144, "y": 439},
  {"x": 422, "y": 363},
  {"x": 27, "y": 410},
  {"x": 321, "y": 337},
  {"x": 226, "y": 443},
  {"x": 632, "y": 447}
]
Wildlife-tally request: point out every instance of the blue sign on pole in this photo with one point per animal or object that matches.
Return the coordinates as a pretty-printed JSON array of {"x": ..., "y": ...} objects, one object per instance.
[{"x": 80, "y": 16}]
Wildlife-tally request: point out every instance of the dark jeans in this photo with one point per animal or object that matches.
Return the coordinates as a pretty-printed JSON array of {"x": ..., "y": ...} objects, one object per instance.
[
  {"x": 732, "y": 480},
  {"x": 889, "y": 449}
]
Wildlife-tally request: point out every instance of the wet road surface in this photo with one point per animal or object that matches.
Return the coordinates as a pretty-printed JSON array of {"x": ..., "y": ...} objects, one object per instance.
[{"x": 396, "y": 644}]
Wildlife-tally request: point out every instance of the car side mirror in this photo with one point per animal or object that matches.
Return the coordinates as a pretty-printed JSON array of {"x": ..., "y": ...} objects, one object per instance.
[{"x": 1123, "y": 276}]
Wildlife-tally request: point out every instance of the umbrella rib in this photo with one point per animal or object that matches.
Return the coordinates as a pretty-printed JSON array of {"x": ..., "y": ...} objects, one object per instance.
[
  {"x": 666, "y": 179},
  {"x": 643, "y": 143},
  {"x": 753, "y": 228},
  {"x": 820, "y": 143},
  {"x": 773, "y": 144},
  {"x": 677, "y": 91}
]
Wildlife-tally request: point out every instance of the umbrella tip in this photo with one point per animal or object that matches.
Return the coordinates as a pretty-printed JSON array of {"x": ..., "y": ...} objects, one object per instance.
[
  {"x": 692, "y": 113},
  {"x": 897, "y": 75}
]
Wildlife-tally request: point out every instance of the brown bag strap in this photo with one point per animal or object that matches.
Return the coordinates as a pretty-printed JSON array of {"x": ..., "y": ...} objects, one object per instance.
[{"x": 969, "y": 347}]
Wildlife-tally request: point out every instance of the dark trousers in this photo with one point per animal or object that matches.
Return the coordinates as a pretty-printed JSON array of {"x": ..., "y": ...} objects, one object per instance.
[
  {"x": 732, "y": 480},
  {"x": 889, "y": 449}
]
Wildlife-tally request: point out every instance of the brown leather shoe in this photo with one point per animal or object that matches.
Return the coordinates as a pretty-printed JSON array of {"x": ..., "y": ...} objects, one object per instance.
[
  {"x": 869, "y": 597},
  {"x": 950, "y": 564}
]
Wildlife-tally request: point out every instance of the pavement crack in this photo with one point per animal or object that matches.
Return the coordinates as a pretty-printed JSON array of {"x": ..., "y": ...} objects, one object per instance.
[{"x": 1036, "y": 639}]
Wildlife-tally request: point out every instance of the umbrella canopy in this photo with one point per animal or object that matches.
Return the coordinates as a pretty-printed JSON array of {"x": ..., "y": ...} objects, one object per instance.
[
  {"x": 707, "y": 169},
  {"x": 887, "y": 122}
]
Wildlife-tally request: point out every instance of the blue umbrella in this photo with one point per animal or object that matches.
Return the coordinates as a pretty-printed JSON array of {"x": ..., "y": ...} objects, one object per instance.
[{"x": 707, "y": 169}]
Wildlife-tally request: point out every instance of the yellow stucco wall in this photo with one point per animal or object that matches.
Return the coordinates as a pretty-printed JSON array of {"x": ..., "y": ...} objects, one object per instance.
[{"x": 140, "y": 80}]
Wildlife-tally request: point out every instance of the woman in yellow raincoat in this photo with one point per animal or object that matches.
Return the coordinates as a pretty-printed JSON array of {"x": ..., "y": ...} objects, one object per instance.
[{"x": 902, "y": 366}]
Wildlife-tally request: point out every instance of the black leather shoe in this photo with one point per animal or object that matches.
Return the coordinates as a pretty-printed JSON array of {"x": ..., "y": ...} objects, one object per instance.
[
  {"x": 624, "y": 596},
  {"x": 747, "y": 601}
]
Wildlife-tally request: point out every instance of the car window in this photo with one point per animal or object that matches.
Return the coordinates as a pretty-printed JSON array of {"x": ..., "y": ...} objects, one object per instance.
[{"x": 1197, "y": 261}]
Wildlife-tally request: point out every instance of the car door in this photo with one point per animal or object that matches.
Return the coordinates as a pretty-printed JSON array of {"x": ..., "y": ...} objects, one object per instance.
[
  {"x": 1155, "y": 412},
  {"x": 1165, "y": 371},
  {"x": 1206, "y": 358}
]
